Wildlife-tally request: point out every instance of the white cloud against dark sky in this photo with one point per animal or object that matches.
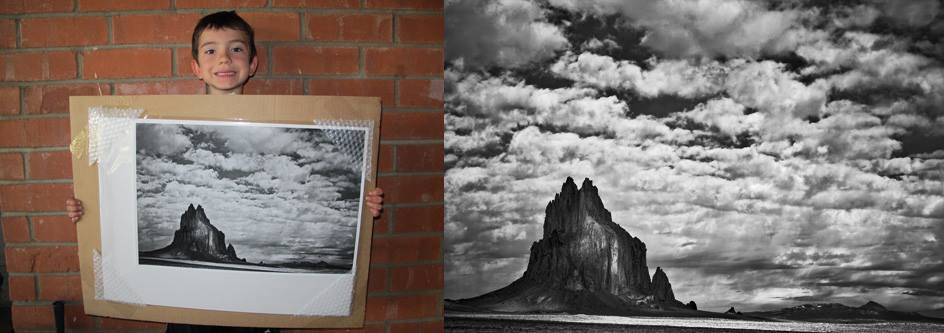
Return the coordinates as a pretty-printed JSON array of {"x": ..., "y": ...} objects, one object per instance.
[{"x": 768, "y": 153}]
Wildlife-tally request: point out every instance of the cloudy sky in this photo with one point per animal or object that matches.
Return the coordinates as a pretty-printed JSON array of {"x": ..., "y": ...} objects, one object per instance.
[
  {"x": 769, "y": 154},
  {"x": 278, "y": 194}
]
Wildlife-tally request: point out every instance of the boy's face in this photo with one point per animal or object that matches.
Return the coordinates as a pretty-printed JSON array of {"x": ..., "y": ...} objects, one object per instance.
[{"x": 223, "y": 61}]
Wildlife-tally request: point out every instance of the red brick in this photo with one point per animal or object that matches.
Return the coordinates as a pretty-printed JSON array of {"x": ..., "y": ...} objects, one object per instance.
[
  {"x": 220, "y": 4},
  {"x": 350, "y": 27},
  {"x": 55, "y": 259},
  {"x": 354, "y": 87},
  {"x": 419, "y": 219},
  {"x": 9, "y": 100},
  {"x": 7, "y": 34},
  {"x": 34, "y": 197},
  {"x": 176, "y": 28},
  {"x": 404, "y": 61},
  {"x": 11, "y": 166},
  {"x": 377, "y": 280},
  {"x": 62, "y": 31},
  {"x": 22, "y": 288},
  {"x": 50, "y": 165},
  {"x": 403, "y": 307},
  {"x": 405, "y": 249},
  {"x": 405, "y": 4},
  {"x": 32, "y": 317},
  {"x": 15, "y": 229},
  {"x": 147, "y": 63},
  {"x": 421, "y": 29},
  {"x": 411, "y": 125},
  {"x": 421, "y": 327},
  {"x": 382, "y": 223},
  {"x": 274, "y": 87},
  {"x": 33, "y": 66},
  {"x": 53, "y": 229},
  {"x": 417, "y": 277},
  {"x": 121, "y": 324},
  {"x": 317, "y": 3},
  {"x": 60, "y": 287},
  {"x": 55, "y": 98},
  {"x": 42, "y": 132},
  {"x": 421, "y": 93},
  {"x": 33, "y": 6},
  {"x": 385, "y": 160},
  {"x": 118, "y": 5},
  {"x": 274, "y": 26},
  {"x": 184, "y": 57},
  {"x": 298, "y": 60},
  {"x": 420, "y": 157},
  {"x": 41, "y": 317},
  {"x": 411, "y": 189},
  {"x": 176, "y": 87}
]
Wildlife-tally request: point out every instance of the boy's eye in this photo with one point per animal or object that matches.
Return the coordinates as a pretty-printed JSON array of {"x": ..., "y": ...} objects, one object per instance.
[
  {"x": 209, "y": 51},
  {"x": 237, "y": 49}
]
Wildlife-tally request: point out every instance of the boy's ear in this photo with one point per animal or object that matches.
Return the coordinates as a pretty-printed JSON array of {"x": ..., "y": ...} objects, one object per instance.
[
  {"x": 195, "y": 68},
  {"x": 253, "y": 65}
]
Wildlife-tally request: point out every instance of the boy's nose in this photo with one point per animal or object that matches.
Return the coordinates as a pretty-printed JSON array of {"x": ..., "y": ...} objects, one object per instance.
[{"x": 224, "y": 58}]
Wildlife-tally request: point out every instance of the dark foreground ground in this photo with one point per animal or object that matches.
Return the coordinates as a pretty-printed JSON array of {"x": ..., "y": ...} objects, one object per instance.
[{"x": 607, "y": 324}]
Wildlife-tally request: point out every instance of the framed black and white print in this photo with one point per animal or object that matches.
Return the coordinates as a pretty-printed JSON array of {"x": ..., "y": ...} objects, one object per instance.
[{"x": 245, "y": 210}]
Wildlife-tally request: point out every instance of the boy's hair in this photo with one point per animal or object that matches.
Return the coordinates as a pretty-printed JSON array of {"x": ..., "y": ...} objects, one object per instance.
[{"x": 222, "y": 20}]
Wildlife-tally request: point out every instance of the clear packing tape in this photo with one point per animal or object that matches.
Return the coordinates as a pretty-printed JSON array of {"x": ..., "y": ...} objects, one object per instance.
[{"x": 105, "y": 125}]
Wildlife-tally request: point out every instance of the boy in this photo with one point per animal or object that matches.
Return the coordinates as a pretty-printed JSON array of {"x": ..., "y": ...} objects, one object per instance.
[{"x": 224, "y": 56}]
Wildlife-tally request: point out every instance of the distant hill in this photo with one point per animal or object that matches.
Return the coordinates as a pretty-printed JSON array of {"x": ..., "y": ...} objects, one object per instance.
[{"x": 835, "y": 313}]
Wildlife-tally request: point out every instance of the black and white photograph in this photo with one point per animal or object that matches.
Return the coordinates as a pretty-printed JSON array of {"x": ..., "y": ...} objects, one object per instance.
[
  {"x": 251, "y": 197},
  {"x": 683, "y": 166}
]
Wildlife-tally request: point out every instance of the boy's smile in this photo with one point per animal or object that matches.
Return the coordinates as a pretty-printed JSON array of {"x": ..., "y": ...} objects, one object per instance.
[{"x": 224, "y": 61}]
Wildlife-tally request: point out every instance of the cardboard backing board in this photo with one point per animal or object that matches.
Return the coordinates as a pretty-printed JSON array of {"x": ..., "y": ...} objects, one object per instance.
[{"x": 242, "y": 110}]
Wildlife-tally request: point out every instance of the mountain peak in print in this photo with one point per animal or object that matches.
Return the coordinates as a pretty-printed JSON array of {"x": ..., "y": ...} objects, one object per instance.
[
  {"x": 197, "y": 239},
  {"x": 584, "y": 263}
]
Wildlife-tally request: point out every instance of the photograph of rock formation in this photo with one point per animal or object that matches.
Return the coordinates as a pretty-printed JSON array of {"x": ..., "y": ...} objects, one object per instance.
[
  {"x": 694, "y": 165},
  {"x": 253, "y": 198}
]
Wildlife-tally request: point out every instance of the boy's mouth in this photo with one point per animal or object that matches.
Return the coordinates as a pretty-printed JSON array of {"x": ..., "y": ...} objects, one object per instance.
[{"x": 225, "y": 73}]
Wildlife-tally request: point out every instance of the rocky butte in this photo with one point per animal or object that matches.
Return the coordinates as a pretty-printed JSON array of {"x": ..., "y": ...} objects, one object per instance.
[
  {"x": 584, "y": 263},
  {"x": 197, "y": 239}
]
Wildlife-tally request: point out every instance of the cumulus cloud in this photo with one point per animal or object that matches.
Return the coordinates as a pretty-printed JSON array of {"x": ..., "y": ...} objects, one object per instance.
[
  {"x": 700, "y": 28},
  {"x": 665, "y": 78},
  {"x": 506, "y": 33}
]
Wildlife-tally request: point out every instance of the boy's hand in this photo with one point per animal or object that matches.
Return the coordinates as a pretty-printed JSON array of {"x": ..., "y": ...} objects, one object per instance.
[
  {"x": 74, "y": 209},
  {"x": 374, "y": 201}
]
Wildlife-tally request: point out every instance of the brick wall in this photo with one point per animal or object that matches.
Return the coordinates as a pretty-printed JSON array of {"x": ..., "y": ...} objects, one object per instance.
[{"x": 53, "y": 49}]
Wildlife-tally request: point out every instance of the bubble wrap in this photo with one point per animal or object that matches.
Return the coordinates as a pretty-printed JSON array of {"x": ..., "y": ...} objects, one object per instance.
[
  {"x": 105, "y": 125},
  {"x": 118, "y": 289},
  {"x": 350, "y": 142},
  {"x": 329, "y": 302}
]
